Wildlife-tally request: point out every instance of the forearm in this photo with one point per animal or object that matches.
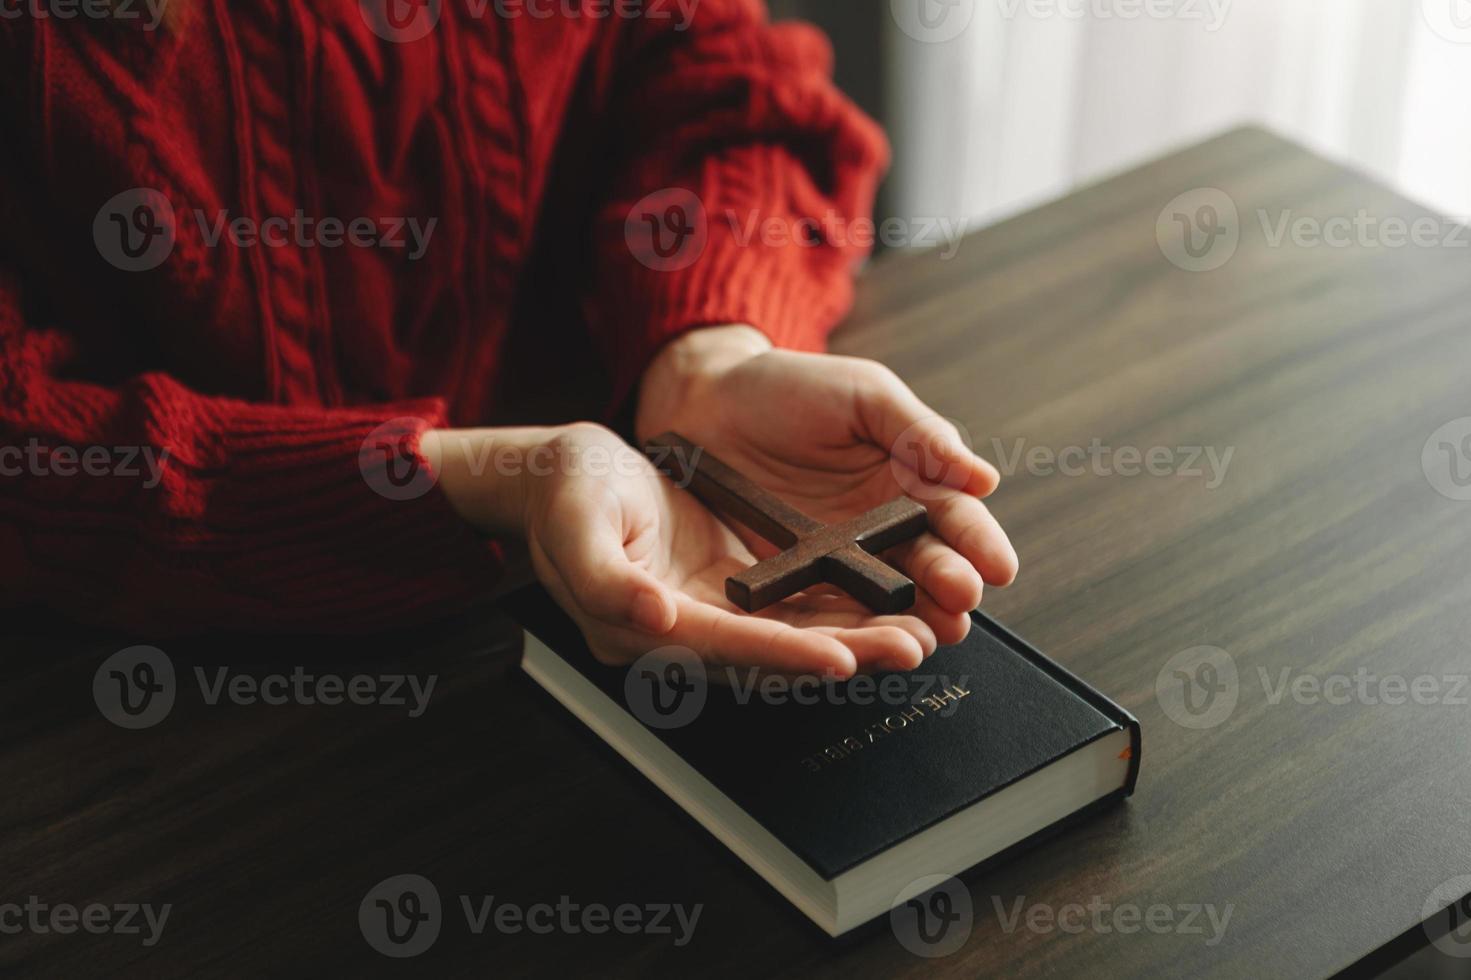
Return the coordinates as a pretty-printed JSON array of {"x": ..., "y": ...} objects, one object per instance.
[
  {"x": 264, "y": 517},
  {"x": 750, "y": 135}
]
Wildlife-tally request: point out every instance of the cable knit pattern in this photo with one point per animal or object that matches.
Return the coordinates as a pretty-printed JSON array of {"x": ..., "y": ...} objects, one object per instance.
[{"x": 281, "y": 388}]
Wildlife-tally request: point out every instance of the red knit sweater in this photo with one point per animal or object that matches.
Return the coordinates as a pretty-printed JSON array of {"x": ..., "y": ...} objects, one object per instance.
[{"x": 262, "y": 370}]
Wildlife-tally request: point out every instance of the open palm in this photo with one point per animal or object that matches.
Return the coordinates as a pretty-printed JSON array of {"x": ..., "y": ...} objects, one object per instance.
[
  {"x": 838, "y": 436},
  {"x": 641, "y": 564}
]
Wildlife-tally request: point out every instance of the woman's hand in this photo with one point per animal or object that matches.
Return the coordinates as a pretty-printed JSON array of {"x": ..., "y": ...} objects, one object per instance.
[
  {"x": 835, "y": 436},
  {"x": 640, "y": 564}
]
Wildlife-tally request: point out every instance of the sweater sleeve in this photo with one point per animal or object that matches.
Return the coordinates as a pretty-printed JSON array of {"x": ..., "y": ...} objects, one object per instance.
[
  {"x": 739, "y": 174},
  {"x": 151, "y": 508}
]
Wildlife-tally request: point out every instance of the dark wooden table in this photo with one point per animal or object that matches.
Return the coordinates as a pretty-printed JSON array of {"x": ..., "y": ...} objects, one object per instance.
[{"x": 1323, "y": 823}]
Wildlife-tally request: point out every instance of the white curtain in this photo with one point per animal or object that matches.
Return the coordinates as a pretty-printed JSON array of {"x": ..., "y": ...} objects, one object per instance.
[{"x": 1036, "y": 96}]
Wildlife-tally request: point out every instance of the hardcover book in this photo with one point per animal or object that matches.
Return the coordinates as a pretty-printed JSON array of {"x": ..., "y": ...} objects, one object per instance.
[{"x": 988, "y": 745}]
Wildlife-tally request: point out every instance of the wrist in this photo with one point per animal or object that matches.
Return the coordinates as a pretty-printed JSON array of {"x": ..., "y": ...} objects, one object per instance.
[
  {"x": 483, "y": 473},
  {"x": 688, "y": 364}
]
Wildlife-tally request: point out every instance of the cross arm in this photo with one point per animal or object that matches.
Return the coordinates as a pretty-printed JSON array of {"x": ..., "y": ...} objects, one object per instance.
[{"x": 727, "y": 492}]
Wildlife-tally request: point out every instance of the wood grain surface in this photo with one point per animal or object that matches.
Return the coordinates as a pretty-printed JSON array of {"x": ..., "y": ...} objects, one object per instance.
[{"x": 1323, "y": 823}]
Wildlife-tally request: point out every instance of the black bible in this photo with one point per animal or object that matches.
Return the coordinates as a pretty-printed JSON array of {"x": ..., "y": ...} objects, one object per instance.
[{"x": 850, "y": 797}]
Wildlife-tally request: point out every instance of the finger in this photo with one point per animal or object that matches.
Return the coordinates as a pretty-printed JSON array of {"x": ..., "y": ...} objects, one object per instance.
[
  {"x": 585, "y": 546},
  {"x": 965, "y": 524},
  {"x": 843, "y": 613},
  {"x": 882, "y": 648},
  {"x": 948, "y": 626},
  {"x": 723, "y": 638},
  {"x": 927, "y": 445},
  {"x": 941, "y": 571},
  {"x": 824, "y": 606}
]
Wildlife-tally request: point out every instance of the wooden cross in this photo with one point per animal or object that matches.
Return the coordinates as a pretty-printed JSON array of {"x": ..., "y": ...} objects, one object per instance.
[{"x": 813, "y": 552}]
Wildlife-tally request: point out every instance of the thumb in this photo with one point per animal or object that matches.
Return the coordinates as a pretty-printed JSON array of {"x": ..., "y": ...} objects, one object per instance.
[{"x": 583, "y": 539}]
